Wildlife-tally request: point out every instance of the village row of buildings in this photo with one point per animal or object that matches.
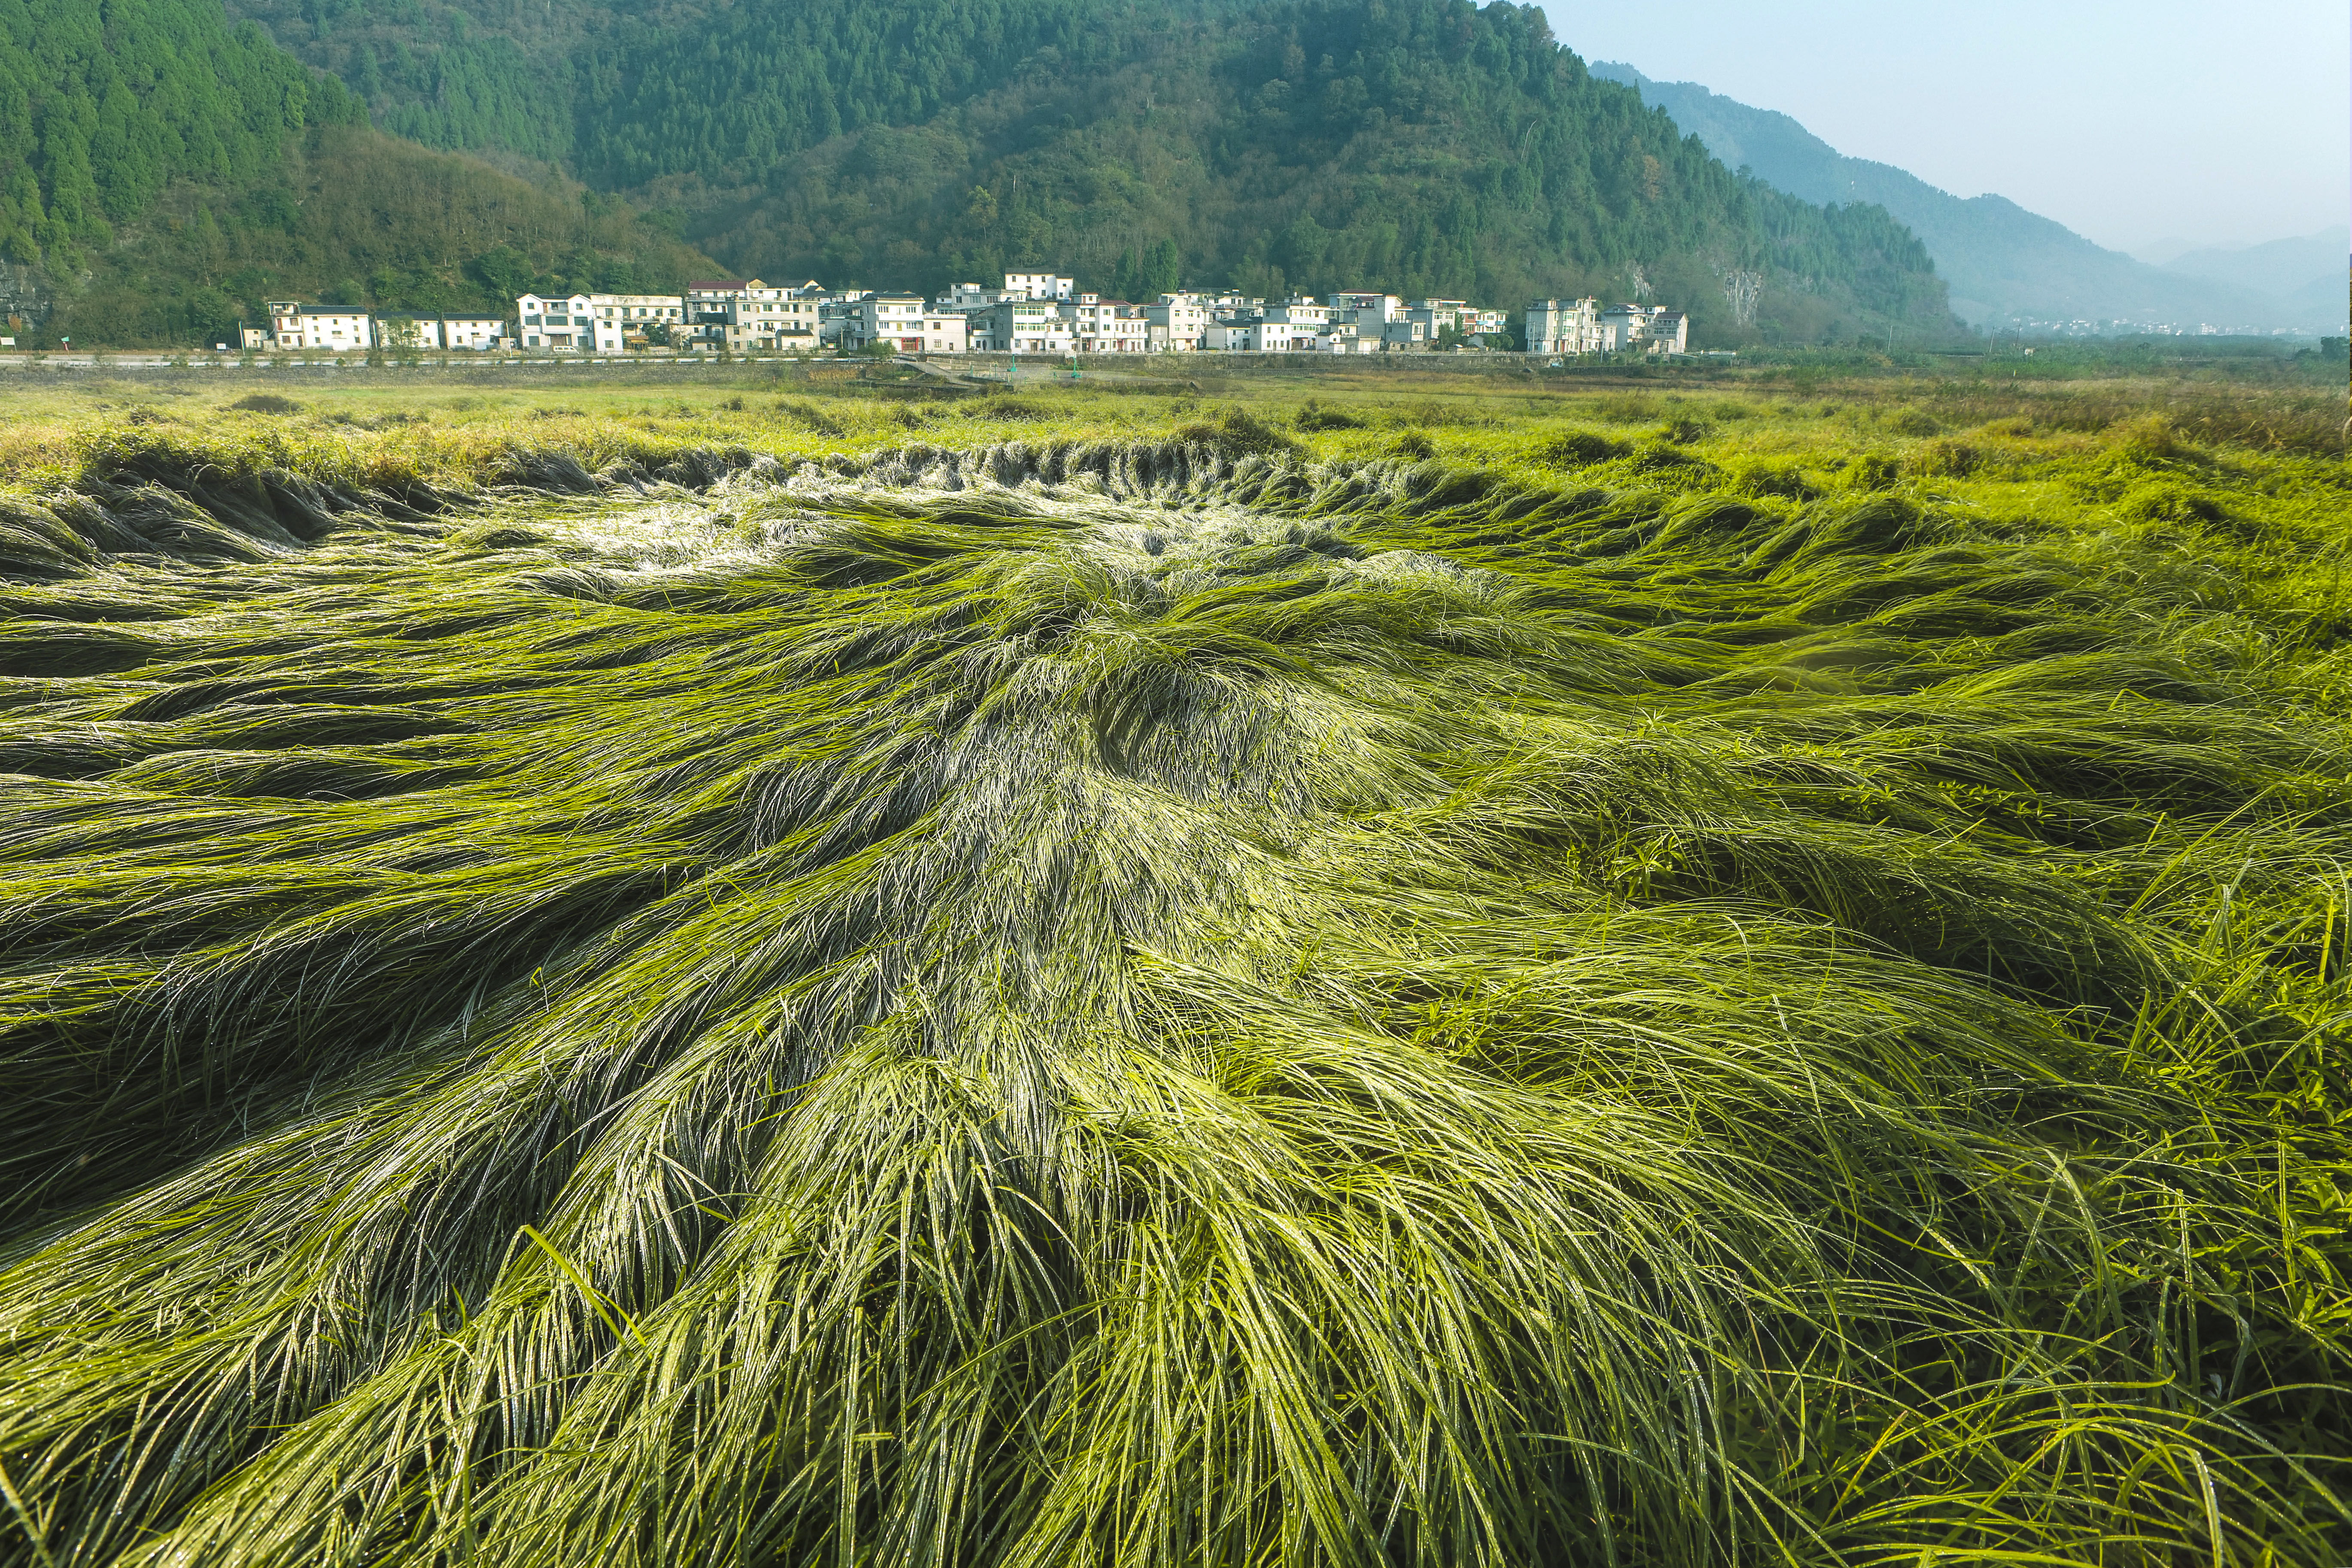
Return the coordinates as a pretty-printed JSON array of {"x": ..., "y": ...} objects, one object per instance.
[{"x": 1033, "y": 313}]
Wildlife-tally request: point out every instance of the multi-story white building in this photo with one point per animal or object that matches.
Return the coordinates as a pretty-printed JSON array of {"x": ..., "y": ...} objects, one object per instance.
[
  {"x": 1366, "y": 312},
  {"x": 1565, "y": 327},
  {"x": 1308, "y": 318},
  {"x": 635, "y": 317},
  {"x": 566, "y": 324},
  {"x": 1107, "y": 326},
  {"x": 1649, "y": 328},
  {"x": 296, "y": 326},
  {"x": 1023, "y": 327},
  {"x": 1039, "y": 286},
  {"x": 887, "y": 317},
  {"x": 1177, "y": 322},
  {"x": 884, "y": 317},
  {"x": 480, "y": 333},
  {"x": 1243, "y": 335},
  {"x": 748, "y": 316}
]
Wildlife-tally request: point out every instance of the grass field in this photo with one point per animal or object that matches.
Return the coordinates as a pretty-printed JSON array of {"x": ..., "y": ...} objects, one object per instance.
[{"x": 1337, "y": 969}]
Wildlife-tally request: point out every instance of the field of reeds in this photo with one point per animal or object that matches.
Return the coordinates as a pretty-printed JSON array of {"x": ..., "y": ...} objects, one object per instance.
[{"x": 1351, "y": 971}]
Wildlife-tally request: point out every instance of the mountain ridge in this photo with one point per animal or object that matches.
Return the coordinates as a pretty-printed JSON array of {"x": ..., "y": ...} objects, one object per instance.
[{"x": 2001, "y": 260}]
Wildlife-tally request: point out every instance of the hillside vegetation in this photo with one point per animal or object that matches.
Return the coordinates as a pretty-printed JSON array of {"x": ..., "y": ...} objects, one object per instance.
[
  {"x": 164, "y": 173},
  {"x": 350, "y": 215},
  {"x": 102, "y": 107},
  {"x": 1425, "y": 146}
]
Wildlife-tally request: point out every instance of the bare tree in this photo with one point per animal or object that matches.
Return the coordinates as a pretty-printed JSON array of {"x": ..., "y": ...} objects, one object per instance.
[
  {"x": 1741, "y": 290},
  {"x": 1641, "y": 283}
]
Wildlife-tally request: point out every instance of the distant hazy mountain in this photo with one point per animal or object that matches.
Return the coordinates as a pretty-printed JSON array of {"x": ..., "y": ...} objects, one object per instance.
[
  {"x": 2307, "y": 267},
  {"x": 2002, "y": 261}
]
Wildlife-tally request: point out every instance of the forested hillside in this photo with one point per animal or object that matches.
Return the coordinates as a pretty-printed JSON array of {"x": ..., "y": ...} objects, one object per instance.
[
  {"x": 162, "y": 172},
  {"x": 101, "y": 106},
  {"x": 1420, "y": 145},
  {"x": 352, "y": 217}
]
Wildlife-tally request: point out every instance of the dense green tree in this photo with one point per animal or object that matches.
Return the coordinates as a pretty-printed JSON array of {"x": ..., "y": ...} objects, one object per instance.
[
  {"x": 353, "y": 216},
  {"x": 102, "y": 104}
]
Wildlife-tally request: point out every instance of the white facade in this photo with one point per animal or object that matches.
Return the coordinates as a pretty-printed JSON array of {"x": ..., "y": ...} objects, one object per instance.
[
  {"x": 1652, "y": 328},
  {"x": 1366, "y": 310},
  {"x": 893, "y": 318},
  {"x": 1259, "y": 337},
  {"x": 480, "y": 333},
  {"x": 564, "y": 325},
  {"x": 1107, "y": 326},
  {"x": 1039, "y": 286},
  {"x": 1177, "y": 322},
  {"x": 748, "y": 317},
  {"x": 1570, "y": 327},
  {"x": 623, "y": 319},
  {"x": 293, "y": 325},
  {"x": 1025, "y": 326}
]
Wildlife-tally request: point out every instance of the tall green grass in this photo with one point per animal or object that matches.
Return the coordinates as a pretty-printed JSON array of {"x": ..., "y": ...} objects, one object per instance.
[{"x": 1128, "y": 1003}]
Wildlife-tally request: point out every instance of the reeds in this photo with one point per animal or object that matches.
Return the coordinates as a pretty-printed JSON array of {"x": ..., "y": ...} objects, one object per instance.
[{"x": 1122, "y": 1003}]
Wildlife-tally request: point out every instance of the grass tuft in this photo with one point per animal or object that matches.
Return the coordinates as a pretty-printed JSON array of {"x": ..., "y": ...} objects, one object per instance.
[{"x": 1199, "y": 996}]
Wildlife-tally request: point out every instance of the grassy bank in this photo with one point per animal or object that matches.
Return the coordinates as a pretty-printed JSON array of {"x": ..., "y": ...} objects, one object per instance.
[{"x": 1294, "y": 972}]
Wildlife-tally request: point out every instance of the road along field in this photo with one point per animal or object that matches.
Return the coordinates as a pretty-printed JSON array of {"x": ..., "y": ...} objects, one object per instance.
[{"x": 804, "y": 972}]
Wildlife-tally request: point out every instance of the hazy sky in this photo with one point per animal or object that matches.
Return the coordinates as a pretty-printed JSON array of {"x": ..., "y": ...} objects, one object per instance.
[{"x": 2130, "y": 124}]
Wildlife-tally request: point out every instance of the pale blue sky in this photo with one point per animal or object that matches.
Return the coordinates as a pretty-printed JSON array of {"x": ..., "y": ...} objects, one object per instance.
[{"x": 2132, "y": 123}]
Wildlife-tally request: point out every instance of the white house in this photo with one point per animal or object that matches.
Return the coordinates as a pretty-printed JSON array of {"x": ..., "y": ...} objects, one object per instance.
[
  {"x": 1177, "y": 322},
  {"x": 1342, "y": 338},
  {"x": 1572, "y": 327},
  {"x": 1366, "y": 312},
  {"x": 565, "y": 325},
  {"x": 626, "y": 320},
  {"x": 480, "y": 333},
  {"x": 748, "y": 316},
  {"x": 1024, "y": 327},
  {"x": 1039, "y": 286},
  {"x": 1652, "y": 328},
  {"x": 1107, "y": 326},
  {"x": 1305, "y": 321},
  {"x": 294, "y": 325},
  {"x": 887, "y": 317}
]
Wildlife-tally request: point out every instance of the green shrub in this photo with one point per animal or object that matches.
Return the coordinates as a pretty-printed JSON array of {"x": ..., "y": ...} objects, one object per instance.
[
  {"x": 1756, "y": 477},
  {"x": 2168, "y": 500},
  {"x": 1944, "y": 459},
  {"x": 1314, "y": 416},
  {"x": 1872, "y": 471},
  {"x": 1237, "y": 432},
  {"x": 1580, "y": 449}
]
